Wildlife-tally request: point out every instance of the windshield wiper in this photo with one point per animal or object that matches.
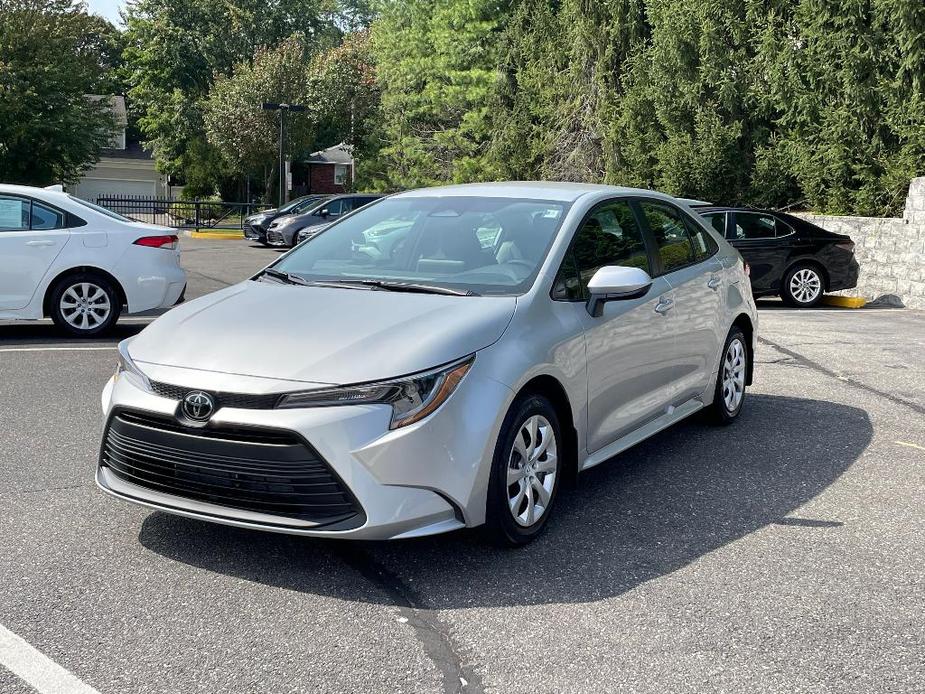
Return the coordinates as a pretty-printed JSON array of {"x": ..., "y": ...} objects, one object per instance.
[
  {"x": 286, "y": 277},
  {"x": 414, "y": 287}
]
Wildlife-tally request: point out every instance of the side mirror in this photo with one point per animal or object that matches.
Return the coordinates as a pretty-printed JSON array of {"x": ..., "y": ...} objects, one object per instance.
[
  {"x": 616, "y": 282},
  {"x": 323, "y": 212}
]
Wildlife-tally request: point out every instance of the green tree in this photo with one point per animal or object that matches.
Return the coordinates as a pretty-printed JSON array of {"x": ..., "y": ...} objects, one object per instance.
[
  {"x": 176, "y": 49},
  {"x": 52, "y": 54},
  {"x": 848, "y": 82},
  {"x": 247, "y": 136},
  {"x": 436, "y": 64}
]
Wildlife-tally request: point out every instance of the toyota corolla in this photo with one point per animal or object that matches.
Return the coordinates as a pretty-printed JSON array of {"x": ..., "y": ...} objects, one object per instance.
[{"x": 442, "y": 358}]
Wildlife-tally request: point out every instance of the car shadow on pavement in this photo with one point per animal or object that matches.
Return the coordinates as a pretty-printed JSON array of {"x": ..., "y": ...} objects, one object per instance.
[
  {"x": 47, "y": 334},
  {"x": 652, "y": 510}
]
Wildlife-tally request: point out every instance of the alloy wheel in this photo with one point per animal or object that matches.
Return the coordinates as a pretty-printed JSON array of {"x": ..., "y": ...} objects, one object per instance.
[
  {"x": 532, "y": 470},
  {"x": 805, "y": 285},
  {"x": 734, "y": 375},
  {"x": 85, "y": 306}
]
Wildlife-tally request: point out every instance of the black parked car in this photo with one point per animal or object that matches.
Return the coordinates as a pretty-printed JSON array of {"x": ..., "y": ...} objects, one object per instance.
[
  {"x": 788, "y": 256},
  {"x": 284, "y": 230},
  {"x": 256, "y": 225}
]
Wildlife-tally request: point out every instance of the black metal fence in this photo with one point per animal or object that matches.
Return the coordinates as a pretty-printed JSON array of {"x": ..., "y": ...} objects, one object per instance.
[{"x": 181, "y": 214}]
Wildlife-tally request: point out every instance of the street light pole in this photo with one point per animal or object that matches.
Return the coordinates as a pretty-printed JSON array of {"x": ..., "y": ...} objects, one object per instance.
[{"x": 282, "y": 108}]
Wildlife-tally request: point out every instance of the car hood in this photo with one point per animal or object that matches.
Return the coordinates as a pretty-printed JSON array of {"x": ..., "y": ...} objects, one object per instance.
[{"x": 320, "y": 334}]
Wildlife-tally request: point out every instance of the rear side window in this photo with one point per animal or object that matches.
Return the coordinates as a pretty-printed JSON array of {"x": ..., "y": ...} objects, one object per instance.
[
  {"x": 703, "y": 243},
  {"x": 22, "y": 214},
  {"x": 717, "y": 220},
  {"x": 675, "y": 247},
  {"x": 753, "y": 226},
  {"x": 610, "y": 235},
  {"x": 14, "y": 214},
  {"x": 46, "y": 217}
]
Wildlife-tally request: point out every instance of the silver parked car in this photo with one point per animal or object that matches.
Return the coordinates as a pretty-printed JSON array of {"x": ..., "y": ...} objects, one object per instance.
[{"x": 501, "y": 339}]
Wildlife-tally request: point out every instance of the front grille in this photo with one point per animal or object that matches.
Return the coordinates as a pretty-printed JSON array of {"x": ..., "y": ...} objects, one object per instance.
[
  {"x": 252, "y": 231},
  {"x": 274, "y": 236},
  {"x": 270, "y": 471},
  {"x": 240, "y": 400}
]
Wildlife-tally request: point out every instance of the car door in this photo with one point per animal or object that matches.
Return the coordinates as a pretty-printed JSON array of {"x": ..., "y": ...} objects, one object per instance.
[
  {"x": 688, "y": 259},
  {"x": 32, "y": 234},
  {"x": 628, "y": 347},
  {"x": 764, "y": 242}
]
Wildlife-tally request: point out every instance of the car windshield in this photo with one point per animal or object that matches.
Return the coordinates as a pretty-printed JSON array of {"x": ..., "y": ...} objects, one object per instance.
[
  {"x": 101, "y": 210},
  {"x": 472, "y": 244},
  {"x": 301, "y": 203}
]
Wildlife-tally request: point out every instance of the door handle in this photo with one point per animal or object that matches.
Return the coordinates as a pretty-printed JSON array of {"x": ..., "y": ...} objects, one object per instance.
[
  {"x": 664, "y": 305},
  {"x": 40, "y": 243},
  {"x": 714, "y": 282}
]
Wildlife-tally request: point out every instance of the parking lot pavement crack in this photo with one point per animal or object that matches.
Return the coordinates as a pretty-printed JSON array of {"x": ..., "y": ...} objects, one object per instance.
[
  {"x": 209, "y": 277},
  {"x": 815, "y": 366},
  {"x": 433, "y": 634}
]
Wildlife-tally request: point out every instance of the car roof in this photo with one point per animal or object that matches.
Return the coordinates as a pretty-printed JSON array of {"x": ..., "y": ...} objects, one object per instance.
[
  {"x": 536, "y": 190},
  {"x": 722, "y": 208},
  {"x": 47, "y": 194}
]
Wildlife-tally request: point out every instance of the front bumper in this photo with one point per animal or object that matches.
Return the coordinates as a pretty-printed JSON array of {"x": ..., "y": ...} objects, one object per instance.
[
  {"x": 255, "y": 232},
  {"x": 426, "y": 478},
  {"x": 275, "y": 237}
]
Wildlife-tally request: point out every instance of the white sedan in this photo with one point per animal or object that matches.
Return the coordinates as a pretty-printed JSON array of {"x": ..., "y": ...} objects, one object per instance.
[{"x": 81, "y": 264}]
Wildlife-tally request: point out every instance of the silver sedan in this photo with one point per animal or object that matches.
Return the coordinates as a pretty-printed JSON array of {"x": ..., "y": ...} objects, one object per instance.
[{"x": 442, "y": 358}]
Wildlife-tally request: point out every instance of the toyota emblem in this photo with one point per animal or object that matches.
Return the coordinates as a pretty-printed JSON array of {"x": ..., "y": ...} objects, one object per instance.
[{"x": 198, "y": 405}]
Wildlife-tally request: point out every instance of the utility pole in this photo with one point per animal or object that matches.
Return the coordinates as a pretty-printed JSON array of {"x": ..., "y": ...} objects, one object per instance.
[{"x": 282, "y": 108}]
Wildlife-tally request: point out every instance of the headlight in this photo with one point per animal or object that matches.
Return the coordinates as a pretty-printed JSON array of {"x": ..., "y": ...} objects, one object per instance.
[
  {"x": 127, "y": 368},
  {"x": 412, "y": 398}
]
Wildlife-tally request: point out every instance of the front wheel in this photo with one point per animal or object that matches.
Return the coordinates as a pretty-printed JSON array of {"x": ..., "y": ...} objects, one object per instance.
[
  {"x": 525, "y": 472},
  {"x": 84, "y": 305},
  {"x": 730, "y": 381}
]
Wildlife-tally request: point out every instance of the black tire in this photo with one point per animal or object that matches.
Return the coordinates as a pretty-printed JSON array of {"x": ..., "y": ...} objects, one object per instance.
[
  {"x": 83, "y": 283},
  {"x": 719, "y": 411},
  {"x": 813, "y": 278},
  {"x": 500, "y": 525}
]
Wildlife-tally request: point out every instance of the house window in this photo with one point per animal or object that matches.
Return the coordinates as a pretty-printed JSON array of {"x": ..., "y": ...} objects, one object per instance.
[{"x": 341, "y": 172}]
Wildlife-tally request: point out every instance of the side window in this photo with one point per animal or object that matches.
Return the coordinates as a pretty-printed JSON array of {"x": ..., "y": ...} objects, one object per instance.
[
  {"x": 671, "y": 237},
  {"x": 608, "y": 236},
  {"x": 717, "y": 220},
  {"x": 14, "y": 214},
  {"x": 335, "y": 207},
  {"x": 46, "y": 218},
  {"x": 751, "y": 225},
  {"x": 704, "y": 245}
]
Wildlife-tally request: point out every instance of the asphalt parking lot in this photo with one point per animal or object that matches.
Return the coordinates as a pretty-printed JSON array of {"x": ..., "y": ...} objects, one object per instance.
[{"x": 783, "y": 554}]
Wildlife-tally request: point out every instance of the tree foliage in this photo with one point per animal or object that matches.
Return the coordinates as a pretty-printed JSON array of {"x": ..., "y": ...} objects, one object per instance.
[
  {"x": 52, "y": 54},
  {"x": 436, "y": 64},
  {"x": 176, "y": 49}
]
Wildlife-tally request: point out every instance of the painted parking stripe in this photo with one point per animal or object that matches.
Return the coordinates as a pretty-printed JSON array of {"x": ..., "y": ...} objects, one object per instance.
[
  {"x": 32, "y": 667},
  {"x": 58, "y": 349}
]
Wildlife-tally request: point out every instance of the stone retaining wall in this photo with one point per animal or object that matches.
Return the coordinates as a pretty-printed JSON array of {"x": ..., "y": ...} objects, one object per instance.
[{"x": 890, "y": 251}]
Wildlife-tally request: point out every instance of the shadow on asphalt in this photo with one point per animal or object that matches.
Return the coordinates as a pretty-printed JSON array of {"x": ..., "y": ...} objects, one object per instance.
[
  {"x": 647, "y": 513},
  {"x": 47, "y": 334}
]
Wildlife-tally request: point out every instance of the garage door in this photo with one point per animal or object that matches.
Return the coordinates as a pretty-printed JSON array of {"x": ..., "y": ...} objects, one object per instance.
[{"x": 92, "y": 188}]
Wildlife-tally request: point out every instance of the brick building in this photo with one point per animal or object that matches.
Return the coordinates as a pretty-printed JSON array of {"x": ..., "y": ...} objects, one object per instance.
[{"x": 326, "y": 171}]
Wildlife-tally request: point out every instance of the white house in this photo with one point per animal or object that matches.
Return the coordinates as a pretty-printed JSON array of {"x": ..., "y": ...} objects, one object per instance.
[{"x": 124, "y": 168}]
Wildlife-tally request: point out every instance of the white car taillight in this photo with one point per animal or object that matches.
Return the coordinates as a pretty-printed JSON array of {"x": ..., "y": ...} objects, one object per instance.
[{"x": 169, "y": 242}]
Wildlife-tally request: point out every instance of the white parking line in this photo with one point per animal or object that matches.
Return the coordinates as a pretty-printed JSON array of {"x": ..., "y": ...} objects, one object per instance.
[
  {"x": 41, "y": 673},
  {"x": 57, "y": 349}
]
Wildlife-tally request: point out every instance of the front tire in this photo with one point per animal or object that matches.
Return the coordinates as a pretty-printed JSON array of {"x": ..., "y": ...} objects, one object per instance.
[
  {"x": 84, "y": 304},
  {"x": 729, "y": 396},
  {"x": 803, "y": 286},
  {"x": 525, "y": 473}
]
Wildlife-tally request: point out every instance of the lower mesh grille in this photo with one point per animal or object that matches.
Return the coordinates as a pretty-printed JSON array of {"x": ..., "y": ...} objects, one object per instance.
[{"x": 261, "y": 470}]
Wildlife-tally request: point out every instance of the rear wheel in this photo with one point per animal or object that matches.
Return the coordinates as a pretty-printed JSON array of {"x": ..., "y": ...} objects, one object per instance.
[
  {"x": 803, "y": 286},
  {"x": 525, "y": 472},
  {"x": 84, "y": 304},
  {"x": 730, "y": 381}
]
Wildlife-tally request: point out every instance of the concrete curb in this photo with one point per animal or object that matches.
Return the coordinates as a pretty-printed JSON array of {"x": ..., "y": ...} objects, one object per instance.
[
  {"x": 844, "y": 301},
  {"x": 231, "y": 234}
]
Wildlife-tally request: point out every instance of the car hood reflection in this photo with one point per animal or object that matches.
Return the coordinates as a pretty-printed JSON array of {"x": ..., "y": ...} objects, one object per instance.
[{"x": 319, "y": 334}]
